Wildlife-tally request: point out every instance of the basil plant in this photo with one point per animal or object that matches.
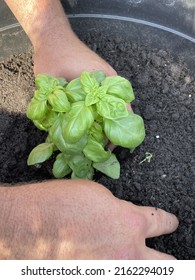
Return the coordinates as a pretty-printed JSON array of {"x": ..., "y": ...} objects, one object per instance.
[{"x": 80, "y": 118}]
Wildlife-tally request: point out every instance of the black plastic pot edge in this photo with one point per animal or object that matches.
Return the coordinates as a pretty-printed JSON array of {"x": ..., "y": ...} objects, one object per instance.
[
  {"x": 132, "y": 20},
  {"x": 114, "y": 17}
]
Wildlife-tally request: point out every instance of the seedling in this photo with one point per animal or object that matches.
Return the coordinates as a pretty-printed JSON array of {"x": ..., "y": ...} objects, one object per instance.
[
  {"x": 80, "y": 117},
  {"x": 148, "y": 157}
]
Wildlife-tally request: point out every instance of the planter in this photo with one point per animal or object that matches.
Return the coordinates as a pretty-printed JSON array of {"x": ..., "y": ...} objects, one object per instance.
[{"x": 155, "y": 51}]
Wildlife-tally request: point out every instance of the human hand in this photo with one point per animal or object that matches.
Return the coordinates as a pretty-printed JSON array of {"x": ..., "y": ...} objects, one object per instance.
[
  {"x": 68, "y": 58},
  {"x": 77, "y": 219}
]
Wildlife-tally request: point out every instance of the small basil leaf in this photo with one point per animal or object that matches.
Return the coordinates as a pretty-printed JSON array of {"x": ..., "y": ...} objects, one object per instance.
[
  {"x": 127, "y": 132},
  {"x": 62, "y": 82},
  {"x": 49, "y": 140},
  {"x": 40, "y": 95},
  {"x": 119, "y": 87},
  {"x": 110, "y": 167},
  {"x": 95, "y": 152},
  {"x": 60, "y": 167},
  {"x": 55, "y": 133},
  {"x": 40, "y": 153},
  {"x": 91, "y": 98},
  {"x": 96, "y": 132},
  {"x": 75, "y": 148},
  {"x": 74, "y": 91},
  {"x": 94, "y": 96},
  {"x": 81, "y": 166},
  {"x": 101, "y": 91},
  {"x": 89, "y": 175},
  {"x": 46, "y": 83},
  {"x": 111, "y": 107},
  {"x": 40, "y": 126},
  {"x": 88, "y": 82},
  {"x": 49, "y": 119},
  {"x": 59, "y": 101},
  {"x": 36, "y": 109},
  {"x": 99, "y": 75},
  {"x": 77, "y": 121}
]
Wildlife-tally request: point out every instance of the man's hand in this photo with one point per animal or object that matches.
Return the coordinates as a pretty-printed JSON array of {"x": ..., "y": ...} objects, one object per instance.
[
  {"x": 68, "y": 59},
  {"x": 77, "y": 219},
  {"x": 57, "y": 50}
]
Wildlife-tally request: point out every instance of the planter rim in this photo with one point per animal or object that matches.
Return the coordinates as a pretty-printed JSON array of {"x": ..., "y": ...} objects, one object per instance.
[{"x": 115, "y": 17}]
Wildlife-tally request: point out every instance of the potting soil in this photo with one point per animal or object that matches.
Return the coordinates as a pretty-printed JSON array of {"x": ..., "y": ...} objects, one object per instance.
[{"x": 164, "y": 88}]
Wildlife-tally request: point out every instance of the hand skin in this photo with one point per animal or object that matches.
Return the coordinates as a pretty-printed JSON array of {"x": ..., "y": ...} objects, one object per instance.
[
  {"x": 74, "y": 219},
  {"x": 57, "y": 50},
  {"x": 77, "y": 219}
]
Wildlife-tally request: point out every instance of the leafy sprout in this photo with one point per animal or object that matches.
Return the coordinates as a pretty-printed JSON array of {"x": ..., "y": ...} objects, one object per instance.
[
  {"x": 148, "y": 157},
  {"x": 79, "y": 117}
]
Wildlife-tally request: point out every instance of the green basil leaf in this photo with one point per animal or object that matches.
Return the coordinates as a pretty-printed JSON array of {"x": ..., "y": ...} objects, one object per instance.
[
  {"x": 40, "y": 126},
  {"x": 110, "y": 167},
  {"x": 60, "y": 167},
  {"x": 59, "y": 101},
  {"x": 75, "y": 148},
  {"x": 62, "y": 82},
  {"x": 40, "y": 95},
  {"x": 111, "y": 107},
  {"x": 81, "y": 166},
  {"x": 49, "y": 140},
  {"x": 49, "y": 119},
  {"x": 119, "y": 87},
  {"x": 99, "y": 75},
  {"x": 88, "y": 82},
  {"x": 36, "y": 109},
  {"x": 127, "y": 132},
  {"x": 46, "y": 83},
  {"x": 101, "y": 92},
  {"x": 91, "y": 98},
  {"x": 95, "y": 151},
  {"x": 95, "y": 95},
  {"x": 96, "y": 132},
  {"x": 74, "y": 91},
  {"x": 77, "y": 121},
  {"x": 40, "y": 153},
  {"x": 55, "y": 133},
  {"x": 89, "y": 175}
]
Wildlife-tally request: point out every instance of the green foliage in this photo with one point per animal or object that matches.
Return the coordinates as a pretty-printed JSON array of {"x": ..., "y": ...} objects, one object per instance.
[{"x": 80, "y": 117}]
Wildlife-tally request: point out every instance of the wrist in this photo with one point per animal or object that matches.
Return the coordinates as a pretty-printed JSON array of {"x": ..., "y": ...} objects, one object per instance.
[
  {"x": 42, "y": 21},
  {"x": 50, "y": 31}
]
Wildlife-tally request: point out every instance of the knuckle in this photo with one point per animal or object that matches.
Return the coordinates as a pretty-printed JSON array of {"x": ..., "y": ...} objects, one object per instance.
[{"x": 135, "y": 219}]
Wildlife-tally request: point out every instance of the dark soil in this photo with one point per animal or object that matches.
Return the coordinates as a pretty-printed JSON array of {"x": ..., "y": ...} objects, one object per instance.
[{"x": 164, "y": 89}]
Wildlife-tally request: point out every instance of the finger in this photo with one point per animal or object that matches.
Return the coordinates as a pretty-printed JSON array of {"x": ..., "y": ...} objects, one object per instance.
[
  {"x": 151, "y": 254},
  {"x": 158, "y": 221}
]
